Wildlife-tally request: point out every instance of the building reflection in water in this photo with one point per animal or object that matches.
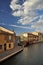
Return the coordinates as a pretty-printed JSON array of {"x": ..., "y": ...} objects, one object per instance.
[
  {"x": 25, "y": 52},
  {"x": 36, "y": 46}
]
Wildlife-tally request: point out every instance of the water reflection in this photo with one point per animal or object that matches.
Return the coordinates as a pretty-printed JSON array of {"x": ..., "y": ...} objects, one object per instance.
[
  {"x": 36, "y": 46},
  {"x": 25, "y": 53}
]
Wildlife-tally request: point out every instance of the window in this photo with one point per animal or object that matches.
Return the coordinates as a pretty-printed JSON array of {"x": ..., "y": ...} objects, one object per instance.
[
  {"x": 9, "y": 45},
  {"x": 10, "y": 37},
  {"x": 0, "y": 46}
]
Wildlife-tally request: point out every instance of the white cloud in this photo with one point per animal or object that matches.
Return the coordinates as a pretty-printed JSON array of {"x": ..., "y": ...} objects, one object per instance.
[
  {"x": 27, "y": 20},
  {"x": 38, "y": 25},
  {"x": 39, "y": 29},
  {"x": 13, "y": 5},
  {"x": 27, "y": 12},
  {"x": 18, "y": 13},
  {"x": 24, "y": 27},
  {"x": 17, "y": 26},
  {"x": 2, "y": 24}
]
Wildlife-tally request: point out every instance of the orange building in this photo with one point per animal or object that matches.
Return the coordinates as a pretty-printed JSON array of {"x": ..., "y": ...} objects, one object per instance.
[{"x": 7, "y": 39}]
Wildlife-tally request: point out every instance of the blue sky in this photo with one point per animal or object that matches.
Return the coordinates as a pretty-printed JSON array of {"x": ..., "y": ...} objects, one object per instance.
[{"x": 22, "y": 15}]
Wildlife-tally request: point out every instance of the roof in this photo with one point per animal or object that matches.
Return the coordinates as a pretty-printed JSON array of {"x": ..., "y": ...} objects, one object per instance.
[
  {"x": 29, "y": 34},
  {"x": 35, "y": 33},
  {"x": 6, "y": 30}
]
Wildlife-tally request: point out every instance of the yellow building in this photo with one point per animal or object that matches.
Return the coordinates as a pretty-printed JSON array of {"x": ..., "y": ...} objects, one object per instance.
[
  {"x": 7, "y": 39},
  {"x": 29, "y": 38},
  {"x": 40, "y": 38},
  {"x": 24, "y": 38},
  {"x": 32, "y": 38}
]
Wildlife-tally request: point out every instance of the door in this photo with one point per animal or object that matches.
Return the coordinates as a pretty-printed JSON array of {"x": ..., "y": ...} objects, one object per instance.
[{"x": 5, "y": 47}]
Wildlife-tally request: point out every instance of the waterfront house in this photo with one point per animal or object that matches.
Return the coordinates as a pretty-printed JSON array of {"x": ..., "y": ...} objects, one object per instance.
[
  {"x": 28, "y": 38},
  {"x": 7, "y": 39},
  {"x": 40, "y": 36},
  {"x": 32, "y": 38}
]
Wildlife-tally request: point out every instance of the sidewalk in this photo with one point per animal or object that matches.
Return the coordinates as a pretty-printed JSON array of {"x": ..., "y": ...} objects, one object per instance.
[{"x": 7, "y": 54}]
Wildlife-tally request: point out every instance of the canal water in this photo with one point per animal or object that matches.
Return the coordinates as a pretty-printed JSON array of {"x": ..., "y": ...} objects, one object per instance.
[{"x": 31, "y": 55}]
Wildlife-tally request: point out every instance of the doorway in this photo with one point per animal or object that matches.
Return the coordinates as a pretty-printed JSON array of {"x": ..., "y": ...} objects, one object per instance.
[{"x": 5, "y": 47}]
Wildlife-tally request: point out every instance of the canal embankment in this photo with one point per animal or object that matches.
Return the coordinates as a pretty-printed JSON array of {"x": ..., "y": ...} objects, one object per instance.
[{"x": 7, "y": 54}]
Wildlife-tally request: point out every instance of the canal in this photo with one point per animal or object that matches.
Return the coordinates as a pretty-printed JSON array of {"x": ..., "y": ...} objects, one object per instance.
[{"x": 31, "y": 55}]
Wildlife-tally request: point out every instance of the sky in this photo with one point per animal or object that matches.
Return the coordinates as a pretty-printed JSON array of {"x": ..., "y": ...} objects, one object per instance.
[{"x": 22, "y": 15}]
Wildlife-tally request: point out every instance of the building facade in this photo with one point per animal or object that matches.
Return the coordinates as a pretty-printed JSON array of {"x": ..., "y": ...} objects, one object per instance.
[
  {"x": 29, "y": 38},
  {"x": 7, "y": 39},
  {"x": 40, "y": 36}
]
